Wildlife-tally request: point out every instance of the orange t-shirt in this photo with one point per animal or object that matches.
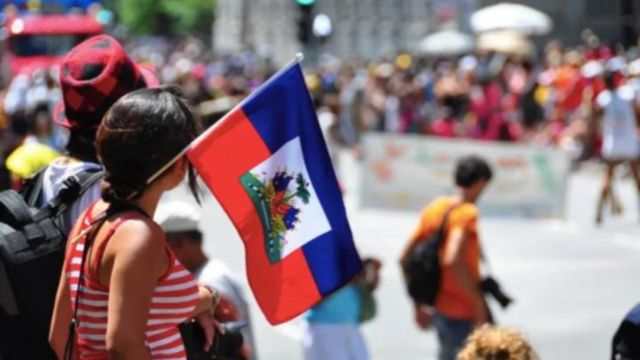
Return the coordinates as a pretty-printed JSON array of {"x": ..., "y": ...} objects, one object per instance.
[{"x": 453, "y": 300}]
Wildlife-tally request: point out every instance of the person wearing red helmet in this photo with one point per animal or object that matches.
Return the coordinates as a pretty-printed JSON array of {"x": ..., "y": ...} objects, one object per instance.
[{"x": 93, "y": 76}]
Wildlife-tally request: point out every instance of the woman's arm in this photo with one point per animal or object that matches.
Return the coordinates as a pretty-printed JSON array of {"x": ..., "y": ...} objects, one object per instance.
[
  {"x": 139, "y": 260},
  {"x": 205, "y": 302},
  {"x": 61, "y": 319},
  {"x": 62, "y": 314}
]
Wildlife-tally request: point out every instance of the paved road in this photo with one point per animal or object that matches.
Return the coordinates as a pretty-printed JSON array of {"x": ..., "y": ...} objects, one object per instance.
[{"x": 572, "y": 281}]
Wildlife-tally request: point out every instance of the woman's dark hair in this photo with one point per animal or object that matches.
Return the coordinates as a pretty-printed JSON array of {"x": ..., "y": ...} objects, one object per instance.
[
  {"x": 142, "y": 132},
  {"x": 471, "y": 169}
]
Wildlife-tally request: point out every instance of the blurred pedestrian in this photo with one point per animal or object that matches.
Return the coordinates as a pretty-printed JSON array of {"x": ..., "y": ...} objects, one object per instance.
[
  {"x": 94, "y": 75},
  {"x": 333, "y": 326},
  {"x": 132, "y": 293},
  {"x": 15, "y": 100},
  {"x": 570, "y": 84},
  {"x": 532, "y": 112},
  {"x": 626, "y": 341},
  {"x": 181, "y": 221},
  {"x": 486, "y": 104},
  {"x": 460, "y": 305},
  {"x": 620, "y": 131},
  {"x": 491, "y": 342}
]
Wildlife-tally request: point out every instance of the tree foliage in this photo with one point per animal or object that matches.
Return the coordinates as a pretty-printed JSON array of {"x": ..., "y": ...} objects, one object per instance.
[{"x": 165, "y": 17}]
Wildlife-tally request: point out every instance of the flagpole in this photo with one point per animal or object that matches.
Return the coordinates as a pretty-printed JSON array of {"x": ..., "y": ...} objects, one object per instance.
[{"x": 295, "y": 61}]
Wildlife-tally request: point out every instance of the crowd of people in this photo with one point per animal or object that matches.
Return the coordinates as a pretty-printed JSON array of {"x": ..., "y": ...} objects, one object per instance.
[
  {"x": 485, "y": 96},
  {"x": 549, "y": 101},
  {"x": 76, "y": 121}
]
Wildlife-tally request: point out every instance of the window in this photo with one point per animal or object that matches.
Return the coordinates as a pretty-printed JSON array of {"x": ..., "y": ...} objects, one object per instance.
[{"x": 45, "y": 45}]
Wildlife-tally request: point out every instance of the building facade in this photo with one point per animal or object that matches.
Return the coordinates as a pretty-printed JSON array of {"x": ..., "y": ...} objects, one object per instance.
[
  {"x": 361, "y": 28},
  {"x": 379, "y": 28}
]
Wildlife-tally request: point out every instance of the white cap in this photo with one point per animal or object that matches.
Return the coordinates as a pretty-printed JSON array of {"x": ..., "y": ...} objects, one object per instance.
[
  {"x": 468, "y": 63},
  {"x": 634, "y": 68},
  {"x": 617, "y": 63},
  {"x": 592, "y": 69},
  {"x": 177, "y": 216}
]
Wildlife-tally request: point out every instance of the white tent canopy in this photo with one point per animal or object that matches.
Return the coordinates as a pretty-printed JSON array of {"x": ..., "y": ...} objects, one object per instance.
[
  {"x": 506, "y": 42},
  {"x": 446, "y": 43},
  {"x": 507, "y": 16}
]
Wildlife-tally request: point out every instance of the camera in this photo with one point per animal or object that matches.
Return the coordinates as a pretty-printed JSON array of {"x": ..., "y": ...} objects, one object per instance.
[
  {"x": 225, "y": 347},
  {"x": 490, "y": 286}
]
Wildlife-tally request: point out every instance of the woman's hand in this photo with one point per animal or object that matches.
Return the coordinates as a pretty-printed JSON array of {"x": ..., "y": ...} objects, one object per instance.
[
  {"x": 210, "y": 327},
  {"x": 206, "y": 322}
]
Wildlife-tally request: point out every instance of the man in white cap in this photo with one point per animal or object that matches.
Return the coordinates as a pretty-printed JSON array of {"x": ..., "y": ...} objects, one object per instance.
[{"x": 180, "y": 221}]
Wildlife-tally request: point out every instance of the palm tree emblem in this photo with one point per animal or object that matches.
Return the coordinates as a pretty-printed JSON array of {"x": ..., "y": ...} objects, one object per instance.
[{"x": 279, "y": 200}]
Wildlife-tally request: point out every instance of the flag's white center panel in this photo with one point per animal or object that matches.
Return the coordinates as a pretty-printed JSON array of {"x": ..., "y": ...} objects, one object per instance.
[{"x": 288, "y": 203}]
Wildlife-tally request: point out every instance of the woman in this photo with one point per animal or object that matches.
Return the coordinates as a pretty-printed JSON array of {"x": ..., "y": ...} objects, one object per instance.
[
  {"x": 134, "y": 292},
  {"x": 620, "y": 134}
]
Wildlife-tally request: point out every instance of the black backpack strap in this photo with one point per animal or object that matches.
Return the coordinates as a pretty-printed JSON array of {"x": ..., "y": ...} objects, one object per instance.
[
  {"x": 15, "y": 215},
  {"x": 91, "y": 231},
  {"x": 32, "y": 188},
  {"x": 8, "y": 300},
  {"x": 443, "y": 225},
  {"x": 15, "y": 212},
  {"x": 74, "y": 187}
]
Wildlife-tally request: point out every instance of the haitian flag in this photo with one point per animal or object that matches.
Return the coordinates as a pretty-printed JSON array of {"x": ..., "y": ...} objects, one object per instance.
[{"x": 267, "y": 164}]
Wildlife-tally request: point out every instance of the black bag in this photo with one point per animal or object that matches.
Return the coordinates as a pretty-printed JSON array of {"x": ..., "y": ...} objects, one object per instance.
[
  {"x": 224, "y": 347},
  {"x": 32, "y": 251},
  {"x": 423, "y": 269}
]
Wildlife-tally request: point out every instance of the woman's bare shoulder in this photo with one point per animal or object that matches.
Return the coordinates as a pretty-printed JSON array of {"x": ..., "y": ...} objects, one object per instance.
[{"x": 139, "y": 235}]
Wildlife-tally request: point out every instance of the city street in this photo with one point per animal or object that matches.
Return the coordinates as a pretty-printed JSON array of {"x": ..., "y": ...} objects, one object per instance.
[
  {"x": 102, "y": 101},
  {"x": 572, "y": 282}
]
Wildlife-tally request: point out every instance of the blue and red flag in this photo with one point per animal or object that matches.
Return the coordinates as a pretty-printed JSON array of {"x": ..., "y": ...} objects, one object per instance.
[{"x": 267, "y": 164}]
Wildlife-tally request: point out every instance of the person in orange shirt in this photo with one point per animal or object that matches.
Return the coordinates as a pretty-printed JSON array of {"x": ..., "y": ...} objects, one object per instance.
[{"x": 460, "y": 305}]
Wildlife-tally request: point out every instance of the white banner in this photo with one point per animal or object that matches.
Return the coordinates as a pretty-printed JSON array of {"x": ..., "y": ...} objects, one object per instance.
[{"x": 408, "y": 171}]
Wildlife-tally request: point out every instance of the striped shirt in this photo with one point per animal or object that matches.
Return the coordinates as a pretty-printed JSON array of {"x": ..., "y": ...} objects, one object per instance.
[{"x": 174, "y": 299}]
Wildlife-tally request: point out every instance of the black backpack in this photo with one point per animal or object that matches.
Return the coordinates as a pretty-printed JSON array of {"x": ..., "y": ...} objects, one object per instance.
[
  {"x": 32, "y": 251},
  {"x": 423, "y": 269}
]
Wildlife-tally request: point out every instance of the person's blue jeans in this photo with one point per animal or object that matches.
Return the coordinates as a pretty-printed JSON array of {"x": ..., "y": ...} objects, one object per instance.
[{"x": 452, "y": 334}]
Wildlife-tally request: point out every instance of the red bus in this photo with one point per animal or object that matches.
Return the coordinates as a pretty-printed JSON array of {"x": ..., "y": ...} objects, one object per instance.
[{"x": 39, "y": 41}]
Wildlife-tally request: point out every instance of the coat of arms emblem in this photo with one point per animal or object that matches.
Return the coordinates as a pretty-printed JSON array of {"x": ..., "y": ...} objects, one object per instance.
[{"x": 279, "y": 200}]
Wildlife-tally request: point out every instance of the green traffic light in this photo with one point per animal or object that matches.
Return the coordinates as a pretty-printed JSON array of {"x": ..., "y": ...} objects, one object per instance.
[{"x": 305, "y": 2}]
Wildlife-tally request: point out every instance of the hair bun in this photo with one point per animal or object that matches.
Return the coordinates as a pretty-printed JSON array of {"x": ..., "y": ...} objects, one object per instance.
[{"x": 115, "y": 189}]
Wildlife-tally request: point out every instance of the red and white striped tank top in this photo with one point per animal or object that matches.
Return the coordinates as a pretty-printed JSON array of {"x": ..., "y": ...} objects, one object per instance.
[{"x": 174, "y": 299}]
